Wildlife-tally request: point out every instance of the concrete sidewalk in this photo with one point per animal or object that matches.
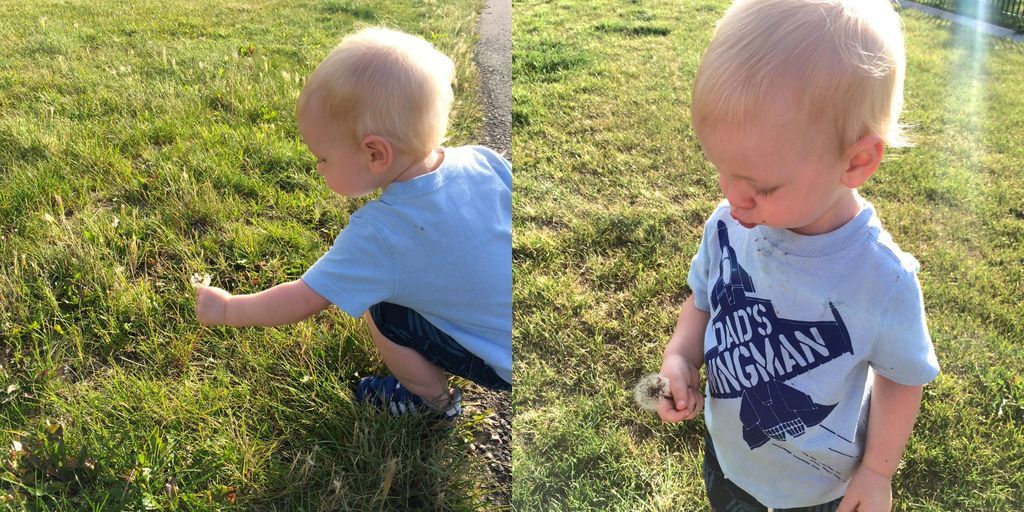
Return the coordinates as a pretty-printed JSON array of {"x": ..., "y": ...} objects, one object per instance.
[{"x": 981, "y": 26}]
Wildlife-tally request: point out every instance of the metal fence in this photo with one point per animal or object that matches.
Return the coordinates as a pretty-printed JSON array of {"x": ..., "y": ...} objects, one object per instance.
[
  {"x": 1008, "y": 13},
  {"x": 1010, "y": 7}
]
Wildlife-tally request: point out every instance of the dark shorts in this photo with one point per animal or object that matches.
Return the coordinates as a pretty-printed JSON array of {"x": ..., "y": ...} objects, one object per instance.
[
  {"x": 408, "y": 328},
  {"x": 726, "y": 496}
]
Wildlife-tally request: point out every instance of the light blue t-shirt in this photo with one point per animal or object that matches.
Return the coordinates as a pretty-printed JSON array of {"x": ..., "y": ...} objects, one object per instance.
[
  {"x": 440, "y": 244},
  {"x": 798, "y": 324}
]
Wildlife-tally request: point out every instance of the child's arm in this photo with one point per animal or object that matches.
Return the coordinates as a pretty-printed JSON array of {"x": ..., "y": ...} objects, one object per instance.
[
  {"x": 681, "y": 364},
  {"x": 283, "y": 304},
  {"x": 894, "y": 408}
]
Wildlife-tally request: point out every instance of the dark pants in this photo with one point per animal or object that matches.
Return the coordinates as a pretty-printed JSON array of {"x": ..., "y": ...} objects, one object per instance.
[
  {"x": 408, "y": 328},
  {"x": 725, "y": 496}
]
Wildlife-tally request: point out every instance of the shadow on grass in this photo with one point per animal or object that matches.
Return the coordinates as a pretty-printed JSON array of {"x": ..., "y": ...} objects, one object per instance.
[
  {"x": 632, "y": 29},
  {"x": 359, "y": 12},
  {"x": 364, "y": 461}
]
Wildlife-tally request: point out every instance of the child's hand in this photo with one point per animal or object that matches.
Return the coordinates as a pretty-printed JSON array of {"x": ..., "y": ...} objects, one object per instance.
[
  {"x": 211, "y": 305},
  {"x": 869, "y": 491},
  {"x": 686, "y": 401}
]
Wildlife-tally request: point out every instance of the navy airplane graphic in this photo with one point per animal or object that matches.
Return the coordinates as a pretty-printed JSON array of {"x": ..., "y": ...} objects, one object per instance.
[
  {"x": 770, "y": 408},
  {"x": 733, "y": 282}
]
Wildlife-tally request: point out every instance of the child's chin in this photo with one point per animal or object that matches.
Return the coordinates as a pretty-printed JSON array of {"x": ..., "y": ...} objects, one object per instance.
[
  {"x": 747, "y": 225},
  {"x": 742, "y": 223}
]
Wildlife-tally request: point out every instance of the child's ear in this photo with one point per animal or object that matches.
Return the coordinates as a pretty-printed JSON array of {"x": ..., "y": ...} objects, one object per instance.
[
  {"x": 378, "y": 153},
  {"x": 862, "y": 160}
]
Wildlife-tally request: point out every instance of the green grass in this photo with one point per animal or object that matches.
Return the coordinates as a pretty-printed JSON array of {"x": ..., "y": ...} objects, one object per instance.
[
  {"x": 141, "y": 144},
  {"x": 611, "y": 196}
]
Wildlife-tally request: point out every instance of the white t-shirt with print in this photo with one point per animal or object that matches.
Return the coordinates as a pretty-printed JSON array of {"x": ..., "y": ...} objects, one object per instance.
[{"x": 798, "y": 324}]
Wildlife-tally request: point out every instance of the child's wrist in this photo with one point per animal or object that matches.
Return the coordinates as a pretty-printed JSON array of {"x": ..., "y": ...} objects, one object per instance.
[
  {"x": 228, "y": 321},
  {"x": 867, "y": 465},
  {"x": 675, "y": 359},
  {"x": 674, "y": 350},
  {"x": 669, "y": 355}
]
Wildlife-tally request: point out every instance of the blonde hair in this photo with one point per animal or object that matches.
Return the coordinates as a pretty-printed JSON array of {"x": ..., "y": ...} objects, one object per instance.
[
  {"x": 384, "y": 82},
  {"x": 841, "y": 61}
]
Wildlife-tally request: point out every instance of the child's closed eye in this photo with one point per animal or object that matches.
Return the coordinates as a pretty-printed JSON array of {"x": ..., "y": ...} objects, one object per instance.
[{"x": 766, "y": 192}]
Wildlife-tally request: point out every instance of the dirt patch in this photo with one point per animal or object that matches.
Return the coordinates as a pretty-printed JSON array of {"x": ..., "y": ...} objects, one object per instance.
[{"x": 493, "y": 444}]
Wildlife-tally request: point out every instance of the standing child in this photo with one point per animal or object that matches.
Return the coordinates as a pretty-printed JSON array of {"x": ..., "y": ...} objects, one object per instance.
[
  {"x": 807, "y": 316},
  {"x": 429, "y": 262}
]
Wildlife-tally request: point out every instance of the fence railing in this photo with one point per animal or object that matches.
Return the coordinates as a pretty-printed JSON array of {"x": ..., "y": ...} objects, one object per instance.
[
  {"x": 1010, "y": 7},
  {"x": 1008, "y": 13}
]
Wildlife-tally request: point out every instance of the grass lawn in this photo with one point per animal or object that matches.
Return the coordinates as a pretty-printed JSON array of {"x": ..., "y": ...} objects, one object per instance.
[
  {"x": 611, "y": 196},
  {"x": 141, "y": 144}
]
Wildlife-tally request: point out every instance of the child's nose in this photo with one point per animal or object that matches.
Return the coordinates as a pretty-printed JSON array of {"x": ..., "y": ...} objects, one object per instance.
[
  {"x": 736, "y": 196},
  {"x": 742, "y": 203}
]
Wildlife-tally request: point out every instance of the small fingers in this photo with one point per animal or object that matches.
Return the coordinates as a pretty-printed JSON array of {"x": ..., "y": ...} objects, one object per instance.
[
  {"x": 677, "y": 386},
  {"x": 698, "y": 399},
  {"x": 669, "y": 414},
  {"x": 696, "y": 403}
]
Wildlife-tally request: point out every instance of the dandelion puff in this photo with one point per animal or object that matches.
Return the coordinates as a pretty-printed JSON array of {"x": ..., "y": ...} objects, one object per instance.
[
  {"x": 200, "y": 280},
  {"x": 649, "y": 390},
  {"x": 171, "y": 487}
]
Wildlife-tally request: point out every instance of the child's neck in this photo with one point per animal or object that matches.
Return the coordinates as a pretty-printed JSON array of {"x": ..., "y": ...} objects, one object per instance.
[
  {"x": 844, "y": 210},
  {"x": 417, "y": 167}
]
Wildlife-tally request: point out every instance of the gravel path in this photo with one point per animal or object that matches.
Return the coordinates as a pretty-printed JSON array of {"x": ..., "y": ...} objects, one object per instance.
[
  {"x": 494, "y": 61},
  {"x": 493, "y": 443}
]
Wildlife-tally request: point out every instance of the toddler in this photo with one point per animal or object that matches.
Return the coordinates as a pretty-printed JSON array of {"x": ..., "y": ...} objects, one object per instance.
[
  {"x": 806, "y": 315},
  {"x": 428, "y": 263}
]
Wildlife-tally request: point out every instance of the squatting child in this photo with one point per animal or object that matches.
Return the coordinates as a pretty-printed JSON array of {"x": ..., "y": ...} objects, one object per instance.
[
  {"x": 428, "y": 263},
  {"x": 806, "y": 315}
]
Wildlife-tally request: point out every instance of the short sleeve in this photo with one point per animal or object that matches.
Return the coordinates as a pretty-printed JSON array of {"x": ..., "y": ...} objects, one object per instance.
[
  {"x": 357, "y": 272},
  {"x": 700, "y": 270},
  {"x": 903, "y": 351}
]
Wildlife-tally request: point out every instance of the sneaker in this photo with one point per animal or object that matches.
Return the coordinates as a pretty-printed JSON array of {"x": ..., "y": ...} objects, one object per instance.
[{"x": 389, "y": 394}]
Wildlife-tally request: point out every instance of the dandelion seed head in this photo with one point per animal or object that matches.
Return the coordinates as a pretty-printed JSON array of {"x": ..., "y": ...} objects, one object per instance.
[
  {"x": 649, "y": 390},
  {"x": 198, "y": 280}
]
